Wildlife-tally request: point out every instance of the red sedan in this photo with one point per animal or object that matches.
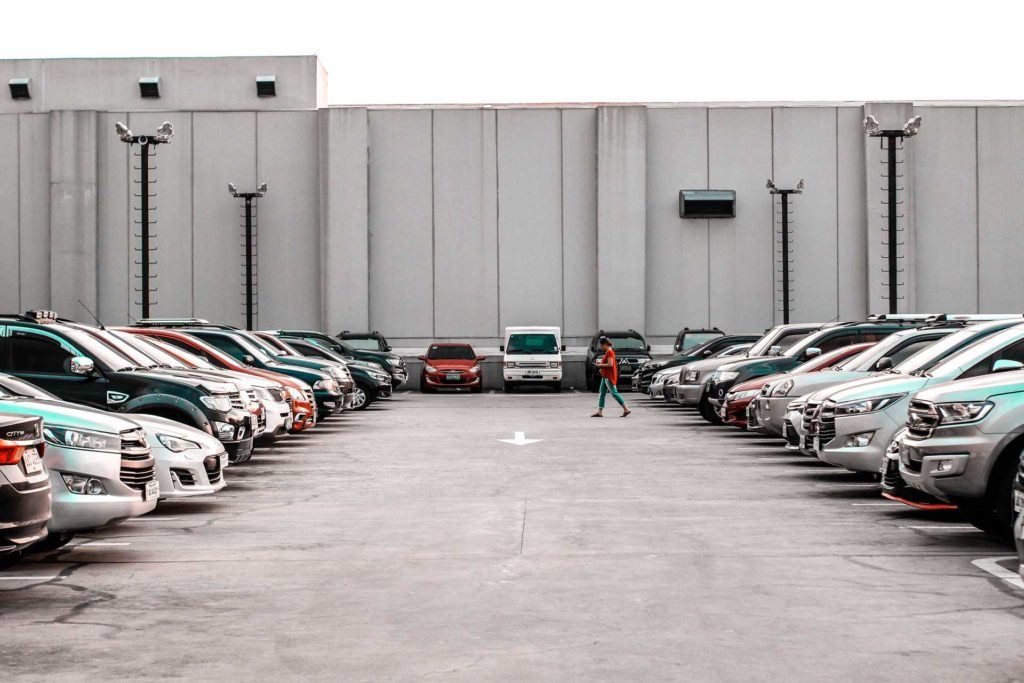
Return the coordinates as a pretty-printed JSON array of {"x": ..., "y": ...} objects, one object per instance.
[
  {"x": 734, "y": 408},
  {"x": 451, "y": 366}
]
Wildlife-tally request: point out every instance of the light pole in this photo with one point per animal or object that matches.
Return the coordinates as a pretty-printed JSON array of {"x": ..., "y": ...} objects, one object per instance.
[
  {"x": 248, "y": 235},
  {"x": 784, "y": 201},
  {"x": 145, "y": 142},
  {"x": 888, "y": 140}
]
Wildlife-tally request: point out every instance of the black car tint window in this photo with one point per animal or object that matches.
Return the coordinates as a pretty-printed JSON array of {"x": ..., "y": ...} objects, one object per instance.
[
  {"x": 909, "y": 350},
  {"x": 35, "y": 353},
  {"x": 451, "y": 353},
  {"x": 228, "y": 346},
  {"x": 1014, "y": 352},
  {"x": 838, "y": 341}
]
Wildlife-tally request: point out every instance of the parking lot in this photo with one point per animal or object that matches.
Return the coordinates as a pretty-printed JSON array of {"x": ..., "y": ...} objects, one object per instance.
[{"x": 409, "y": 540}]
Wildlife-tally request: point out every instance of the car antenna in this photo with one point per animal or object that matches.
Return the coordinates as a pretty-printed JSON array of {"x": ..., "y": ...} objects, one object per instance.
[{"x": 92, "y": 314}]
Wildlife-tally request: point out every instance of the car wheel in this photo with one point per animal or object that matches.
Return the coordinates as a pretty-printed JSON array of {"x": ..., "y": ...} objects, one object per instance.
[
  {"x": 8, "y": 559},
  {"x": 556, "y": 387},
  {"x": 508, "y": 387},
  {"x": 993, "y": 513},
  {"x": 360, "y": 398},
  {"x": 708, "y": 413},
  {"x": 424, "y": 389},
  {"x": 54, "y": 540},
  {"x": 478, "y": 388}
]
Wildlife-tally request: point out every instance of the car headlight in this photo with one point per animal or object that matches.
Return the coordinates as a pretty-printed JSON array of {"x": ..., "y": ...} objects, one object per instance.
[
  {"x": 296, "y": 394},
  {"x": 510, "y": 364},
  {"x": 328, "y": 385},
  {"x": 783, "y": 388},
  {"x": 555, "y": 364},
  {"x": 691, "y": 376},
  {"x": 335, "y": 373},
  {"x": 726, "y": 375},
  {"x": 958, "y": 413},
  {"x": 868, "y": 405},
  {"x": 741, "y": 395},
  {"x": 218, "y": 402},
  {"x": 176, "y": 445},
  {"x": 475, "y": 369},
  {"x": 393, "y": 361},
  {"x": 81, "y": 438},
  {"x": 429, "y": 368}
]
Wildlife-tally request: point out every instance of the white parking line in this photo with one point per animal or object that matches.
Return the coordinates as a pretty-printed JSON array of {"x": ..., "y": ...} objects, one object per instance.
[
  {"x": 97, "y": 544},
  {"x": 946, "y": 527},
  {"x": 153, "y": 519},
  {"x": 847, "y": 486},
  {"x": 30, "y": 578},
  {"x": 992, "y": 566}
]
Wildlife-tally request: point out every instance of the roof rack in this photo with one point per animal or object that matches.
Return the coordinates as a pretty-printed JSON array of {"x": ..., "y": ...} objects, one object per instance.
[
  {"x": 179, "y": 322},
  {"x": 974, "y": 317}
]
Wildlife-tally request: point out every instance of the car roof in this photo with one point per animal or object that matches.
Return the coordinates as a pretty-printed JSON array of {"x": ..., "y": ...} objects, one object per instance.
[{"x": 451, "y": 344}]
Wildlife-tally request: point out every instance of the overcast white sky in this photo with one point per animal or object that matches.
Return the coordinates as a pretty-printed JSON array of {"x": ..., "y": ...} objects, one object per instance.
[{"x": 528, "y": 51}]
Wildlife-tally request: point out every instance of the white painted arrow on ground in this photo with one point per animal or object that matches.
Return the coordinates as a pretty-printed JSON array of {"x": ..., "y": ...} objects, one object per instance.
[{"x": 520, "y": 440}]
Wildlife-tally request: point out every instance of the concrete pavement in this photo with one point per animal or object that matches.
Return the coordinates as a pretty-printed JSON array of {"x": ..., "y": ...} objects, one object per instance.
[{"x": 409, "y": 542}]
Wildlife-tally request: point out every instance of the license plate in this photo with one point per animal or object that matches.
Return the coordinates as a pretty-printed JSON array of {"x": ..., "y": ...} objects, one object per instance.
[
  {"x": 532, "y": 376},
  {"x": 152, "y": 490},
  {"x": 33, "y": 463}
]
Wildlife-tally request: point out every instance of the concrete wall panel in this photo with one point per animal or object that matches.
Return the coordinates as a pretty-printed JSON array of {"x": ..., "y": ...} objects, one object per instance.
[
  {"x": 34, "y": 210},
  {"x": 1000, "y": 207},
  {"x": 804, "y": 142},
  {"x": 677, "y": 249},
  {"x": 851, "y": 212},
  {"x": 740, "y": 149},
  {"x": 288, "y": 219},
  {"x": 224, "y": 150},
  {"x": 579, "y": 221},
  {"x": 465, "y": 224},
  {"x": 946, "y": 231},
  {"x": 401, "y": 224},
  {"x": 344, "y": 219},
  {"x": 529, "y": 218},
  {"x": 10, "y": 279},
  {"x": 114, "y": 243}
]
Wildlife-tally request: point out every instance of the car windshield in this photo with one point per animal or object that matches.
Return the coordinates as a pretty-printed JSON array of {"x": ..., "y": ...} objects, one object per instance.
[
  {"x": 628, "y": 344},
  {"x": 439, "y": 352},
  {"x": 532, "y": 343},
  {"x": 144, "y": 347},
  {"x": 363, "y": 343},
  {"x": 137, "y": 357},
  {"x": 781, "y": 337},
  {"x": 926, "y": 358},
  {"x": 188, "y": 359},
  {"x": 110, "y": 357},
  {"x": 691, "y": 340},
  {"x": 270, "y": 341},
  {"x": 12, "y": 386}
]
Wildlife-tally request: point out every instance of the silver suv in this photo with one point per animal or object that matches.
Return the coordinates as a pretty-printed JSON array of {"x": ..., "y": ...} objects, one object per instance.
[
  {"x": 963, "y": 443},
  {"x": 851, "y": 425}
]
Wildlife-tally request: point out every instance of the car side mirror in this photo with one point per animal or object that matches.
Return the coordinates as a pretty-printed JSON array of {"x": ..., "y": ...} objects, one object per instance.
[
  {"x": 812, "y": 352},
  {"x": 80, "y": 365},
  {"x": 883, "y": 363},
  {"x": 422, "y": 358},
  {"x": 1006, "y": 365},
  {"x": 248, "y": 360},
  {"x": 707, "y": 352},
  {"x": 502, "y": 348},
  {"x": 387, "y": 347},
  {"x": 775, "y": 351},
  {"x": 648, "y": 347}
]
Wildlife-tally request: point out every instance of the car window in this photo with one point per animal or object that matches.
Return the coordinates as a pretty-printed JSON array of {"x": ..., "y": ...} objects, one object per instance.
[
  {"x": 839, "y": 341},
  {"x": 363, "y": 344},
  {"x": 1014, "y": 352},
  {"x": 532, "y": 342},
  {"x": 31, "y": 352},
  {"x": 875, "y": 336},
  {"x": 227, "y": 345},
  {"x": 909, "y": 349},
  {"x": 438, "y": 352},
  {"x": 312, "y": 350},
  {"x": 628, "y": 344}
]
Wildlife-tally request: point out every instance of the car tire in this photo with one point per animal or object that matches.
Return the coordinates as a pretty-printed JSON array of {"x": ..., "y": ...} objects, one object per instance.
[
  {"x": 556, "y": 387},
  {"x": 361, "y": 397},
  {"x": 478, "y": 389},
  {"x": 591, "y": 382},
  {"x": 53, "y": 541},
  {"x": 994, "y": 513},
  {"x": 707, "y": 412},
  {"x": 424, "y": 389},
  {"x": 508, "y": 387}
]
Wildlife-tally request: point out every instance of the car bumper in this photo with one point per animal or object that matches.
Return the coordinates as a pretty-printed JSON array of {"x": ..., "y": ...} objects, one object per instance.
[
  {"x": 441, "y": 381},
  {"x": 688, "y": 394},
  {"x": 328, "y": 403},
  {"x": 859, "y": 459},
  {"x": 23, "y": 515},
  {"x": 771, "y": 413},
  {"x": 184, "y": 477},
  {"x": 533, "y": 376},
  {"x": 734, "y": 413},
  {"x": 970, "y": 455},
  {"x": 79, "y": 512}
]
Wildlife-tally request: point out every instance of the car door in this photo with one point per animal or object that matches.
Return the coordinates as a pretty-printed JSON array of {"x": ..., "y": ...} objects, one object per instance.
[{"x": 44, "y": 359}]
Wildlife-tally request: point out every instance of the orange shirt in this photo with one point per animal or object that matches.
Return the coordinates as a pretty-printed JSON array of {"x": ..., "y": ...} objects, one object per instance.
[{"x": 611, "y": 373}]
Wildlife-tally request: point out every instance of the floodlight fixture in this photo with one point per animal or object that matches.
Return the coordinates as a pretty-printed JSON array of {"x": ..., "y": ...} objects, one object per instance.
[
  {"x": 912, "y": 126},
  {"x": 871, "y": 125}
]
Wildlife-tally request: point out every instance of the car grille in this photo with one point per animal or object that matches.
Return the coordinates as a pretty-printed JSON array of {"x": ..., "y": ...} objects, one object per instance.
[
  {"x": 213, "y": 471},
  {"x": 921, "y": 420},
  {"x": 137, "y": 477},
  {"x": 135, "y": 450},
  {"x": 312, "y": 401},
  {"x": 236, "y": 400},
  {"x": 827, "y": 422},
  {"x": 751, "y": 415},
  {"x": 789, "y": 433},
  {"x": 134, "y": 445},
  {"x": 184, "y": 476},
  {"x": 532, "y": 364},
  {"x": 810, "y": 419}
]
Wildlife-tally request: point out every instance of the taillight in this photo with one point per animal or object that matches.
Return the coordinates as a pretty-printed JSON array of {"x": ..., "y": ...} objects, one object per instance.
[{"x": 10, "y": 452}]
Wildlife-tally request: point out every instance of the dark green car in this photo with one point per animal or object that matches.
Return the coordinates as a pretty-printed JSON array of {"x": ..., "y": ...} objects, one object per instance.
[
  {"x": 391, "y": 362},
  {"x": 372, "y": 381},
  {"x": 71, "y": 363}
]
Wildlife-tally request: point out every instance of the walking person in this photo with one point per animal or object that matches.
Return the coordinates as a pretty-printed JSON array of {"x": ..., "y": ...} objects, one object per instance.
[{"x": 609, "y": 378}]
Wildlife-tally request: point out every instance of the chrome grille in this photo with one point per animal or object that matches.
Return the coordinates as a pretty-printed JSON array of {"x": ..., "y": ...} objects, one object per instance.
[
  {"x": 134, "y": 445},
  {"x": 236, "y": 400},
  {"x": 921, "y": 420},
  {"x": 827, "y": 422},
  {"x": 184, "y": 476},
  {"x": 532, "y": 364},
  {"x": 213, "y": 470},
  {"x": 810, "y": 417},
  {"x": 137, "y": 477}
]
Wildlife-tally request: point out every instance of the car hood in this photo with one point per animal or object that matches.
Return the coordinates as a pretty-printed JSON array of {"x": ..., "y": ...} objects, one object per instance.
[
  {"x": 756, "y": 383},
  {"x": 455, "y": 363},
  {"x": 973, "y": 389},
  {"x": 809, "y": 382},
  {"x": 160, "y": 425},
  {"x": 871, "y": 387},
  {"x": 180, "y": 377},
  {"x": 707, "y": 365},
  {"x": 68, "y": 415}
]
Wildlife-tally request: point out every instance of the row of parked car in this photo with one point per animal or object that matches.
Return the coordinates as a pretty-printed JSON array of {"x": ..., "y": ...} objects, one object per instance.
[
  {"x": 98, "y": 424},
  {"x": 932, "y": 406}
]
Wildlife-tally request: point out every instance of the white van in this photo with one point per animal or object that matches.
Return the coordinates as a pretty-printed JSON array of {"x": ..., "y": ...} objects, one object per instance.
[{"x": 533, "y": 355}]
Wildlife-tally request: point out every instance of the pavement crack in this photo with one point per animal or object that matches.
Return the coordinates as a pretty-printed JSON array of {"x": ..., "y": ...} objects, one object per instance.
[{"x": 522, "y": 531}]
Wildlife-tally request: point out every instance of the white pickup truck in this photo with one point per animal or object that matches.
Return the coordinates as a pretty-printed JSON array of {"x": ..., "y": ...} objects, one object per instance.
[{"x": 533, "y": 355}]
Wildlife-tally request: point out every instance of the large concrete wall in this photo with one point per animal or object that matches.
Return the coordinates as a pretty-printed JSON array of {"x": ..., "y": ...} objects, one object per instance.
[{"x": 453, "y": 222}]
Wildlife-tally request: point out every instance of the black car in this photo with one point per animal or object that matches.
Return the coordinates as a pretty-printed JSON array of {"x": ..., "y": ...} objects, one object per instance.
[
  {"x": 631, "y": 351},
  {"x": 365, "y": 341},
  {"x": 24, "y": 485},
  {"x": 391, "y": 362},
  {"x": 370, "y": 379},
  {"x": 717, "y": 343},
  {"x": 826, "y": 339},
  {"x": 692, "y": 338},
  {"x": 73, "y": 364}
]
